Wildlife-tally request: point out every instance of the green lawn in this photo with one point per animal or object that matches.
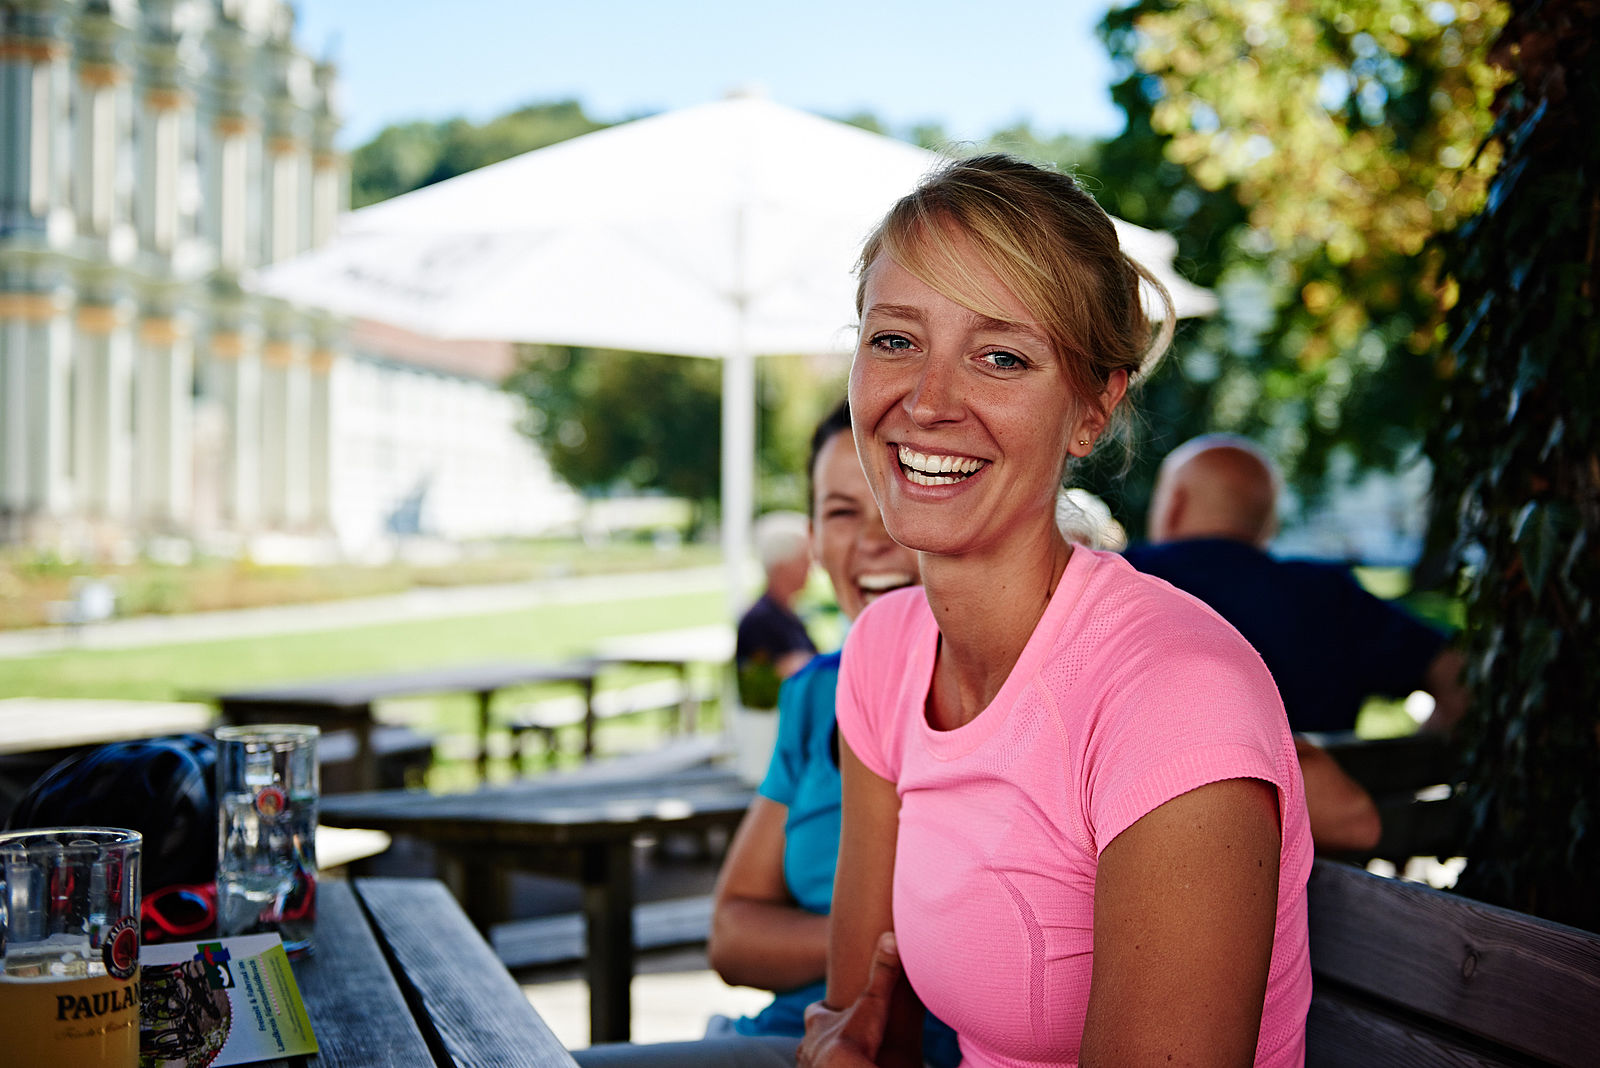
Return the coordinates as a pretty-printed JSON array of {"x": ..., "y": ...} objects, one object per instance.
[
  {"x": 183, "y": 672},
  {"x": 174, "y": 672}
]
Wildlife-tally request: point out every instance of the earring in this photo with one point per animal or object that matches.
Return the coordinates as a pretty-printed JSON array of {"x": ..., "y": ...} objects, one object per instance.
[{"x": 1083, "y": 441}]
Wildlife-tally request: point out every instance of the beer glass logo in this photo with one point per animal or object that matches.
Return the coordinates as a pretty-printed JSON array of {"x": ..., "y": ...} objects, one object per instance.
[
  {"x": 270, "y": 803},
  {"x": 121, "y": 949}
]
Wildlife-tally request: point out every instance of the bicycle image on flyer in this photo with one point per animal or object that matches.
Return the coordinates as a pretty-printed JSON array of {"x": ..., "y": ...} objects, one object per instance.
[{"x": 186, "y": 1017}]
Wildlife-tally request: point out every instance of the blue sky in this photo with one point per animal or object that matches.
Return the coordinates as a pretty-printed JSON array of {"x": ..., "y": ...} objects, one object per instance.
[{"x": 974, "y": 67}]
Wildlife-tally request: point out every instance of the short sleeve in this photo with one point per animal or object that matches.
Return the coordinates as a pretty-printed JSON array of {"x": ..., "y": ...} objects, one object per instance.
[
  {"x": 788, "y": 751},
  {"x": 1193, "y": 705},
  {"x": 871, "y": 678}
]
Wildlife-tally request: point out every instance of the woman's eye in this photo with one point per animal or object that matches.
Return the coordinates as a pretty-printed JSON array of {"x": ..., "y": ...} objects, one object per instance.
[
  {"x": 891, "y": 342},
  {"x": 1005, "y": 361}
]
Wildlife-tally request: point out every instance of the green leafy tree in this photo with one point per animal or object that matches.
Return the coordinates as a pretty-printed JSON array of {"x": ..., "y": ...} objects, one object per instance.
[
  {"x": 1302, "y": 154},
  {"x": 612, "y": 421},
  {"x": 414, "y": 154},
  {"x": 1518, "y": 469}
]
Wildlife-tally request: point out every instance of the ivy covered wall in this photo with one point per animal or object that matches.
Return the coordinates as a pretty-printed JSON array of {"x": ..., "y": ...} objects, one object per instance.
[{"x": 1519, "y": 478}]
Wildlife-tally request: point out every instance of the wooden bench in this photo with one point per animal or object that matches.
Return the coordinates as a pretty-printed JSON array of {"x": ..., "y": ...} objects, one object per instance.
[
  {"x": 560, "y": 939},
  {"x": 403, "y": 758},
  {"x": 1408, "y": 976},
  {"x": 546, "y": 718}
]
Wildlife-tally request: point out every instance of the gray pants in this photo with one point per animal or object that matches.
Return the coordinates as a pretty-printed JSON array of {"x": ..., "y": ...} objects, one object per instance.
[{"x": 720, "y": 1051}]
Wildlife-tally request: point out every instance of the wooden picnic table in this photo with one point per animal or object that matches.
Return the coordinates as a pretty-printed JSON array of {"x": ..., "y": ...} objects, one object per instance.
[
  {"x": 348, "y": 702},
  {"x": 678, "y": 650},
  {"x": 401, "y": 979},
  {"x": 42, "y": 725},
  {"x": 580, "y": 828}
]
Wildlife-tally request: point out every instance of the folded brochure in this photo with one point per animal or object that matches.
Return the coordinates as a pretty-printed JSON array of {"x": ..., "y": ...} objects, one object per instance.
[{"x": 219, "y": 1002}]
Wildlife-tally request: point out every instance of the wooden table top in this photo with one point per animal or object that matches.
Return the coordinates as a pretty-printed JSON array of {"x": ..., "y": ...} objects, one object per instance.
[
  {"x": 36, "y": 724},
  {"x": 357, "y": 691},
  {"x": 547, "y": 811},
  {"x": 400, "y": 978}
]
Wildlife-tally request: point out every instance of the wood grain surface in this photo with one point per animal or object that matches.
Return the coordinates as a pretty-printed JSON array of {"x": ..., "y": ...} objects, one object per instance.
[
  {"x": 1509, "y": 979},
  {"x": 357, "y": 1011},
  {"x": 454, "y": 982}
]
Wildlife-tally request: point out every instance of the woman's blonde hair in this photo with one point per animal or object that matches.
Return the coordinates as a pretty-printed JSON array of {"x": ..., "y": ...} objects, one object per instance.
[{"x": 1048, "y": 242}]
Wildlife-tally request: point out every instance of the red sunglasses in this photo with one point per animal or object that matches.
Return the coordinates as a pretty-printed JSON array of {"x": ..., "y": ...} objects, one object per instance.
[{"x": 179, "y": 911}]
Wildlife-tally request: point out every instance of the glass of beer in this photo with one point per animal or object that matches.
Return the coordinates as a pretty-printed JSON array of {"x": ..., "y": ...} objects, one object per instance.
[
  {"x": 267, "y": 790},
  {"x": 69, "y": 947}
]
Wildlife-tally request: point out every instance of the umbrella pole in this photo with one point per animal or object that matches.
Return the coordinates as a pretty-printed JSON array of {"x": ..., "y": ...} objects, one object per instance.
[{"x": 738, "y": 471}]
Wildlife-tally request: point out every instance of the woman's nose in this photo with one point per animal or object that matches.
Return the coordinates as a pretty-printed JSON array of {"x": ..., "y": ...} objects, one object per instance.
[{"x": 937, "y": 396}]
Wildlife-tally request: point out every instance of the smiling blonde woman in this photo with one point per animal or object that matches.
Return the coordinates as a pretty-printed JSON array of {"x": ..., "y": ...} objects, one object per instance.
[{"x": 1069, "y": 789}]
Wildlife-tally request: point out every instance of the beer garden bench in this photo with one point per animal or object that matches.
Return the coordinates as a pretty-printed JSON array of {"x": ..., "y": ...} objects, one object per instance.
[
  {"x": 1406, "y": 975},
  {"x": 545, "y": 718}
]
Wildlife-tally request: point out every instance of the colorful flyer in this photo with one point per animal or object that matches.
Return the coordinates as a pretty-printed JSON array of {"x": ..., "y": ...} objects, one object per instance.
[{"x": 219, "y": 1002}]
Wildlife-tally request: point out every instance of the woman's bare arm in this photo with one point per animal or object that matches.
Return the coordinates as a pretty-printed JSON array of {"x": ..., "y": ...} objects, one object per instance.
[
  {"x": 1184, "y": 909},
  {"x": 863, "y": 885},
  {"x": 759, "y": 936},
  {"x": 870, "y": 1016}
]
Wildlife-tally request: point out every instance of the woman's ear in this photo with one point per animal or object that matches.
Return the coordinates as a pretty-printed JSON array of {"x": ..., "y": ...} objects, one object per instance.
[
  {"x": 1111, "y": 396},
  {"x": 1095, "y": 416}
]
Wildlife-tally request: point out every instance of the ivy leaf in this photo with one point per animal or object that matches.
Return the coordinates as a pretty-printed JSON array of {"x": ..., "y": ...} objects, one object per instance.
[{"x": 1536, "y": 535}]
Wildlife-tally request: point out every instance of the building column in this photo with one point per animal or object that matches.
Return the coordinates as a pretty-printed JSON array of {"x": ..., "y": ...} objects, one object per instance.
[
  {"x": 35, "y": 360},
  {"x": 297, "y": 445},
  {"x": 163, "y": 474},
  {"x": 33, "y": 107},
  {"x": 14, "y": 420},
  {"x": 277, "y": 429},
  {"x": 236, "y": 380},
  {"x": 319, "y": 438},
  {"x": 103, "y": 414}
]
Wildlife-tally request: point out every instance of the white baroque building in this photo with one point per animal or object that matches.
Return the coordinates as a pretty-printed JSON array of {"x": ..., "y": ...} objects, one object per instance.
[{"x": 151, "y": 154}]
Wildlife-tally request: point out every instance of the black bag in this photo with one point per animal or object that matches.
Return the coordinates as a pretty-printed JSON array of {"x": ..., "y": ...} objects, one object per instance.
[{"x": 164, "y": 788}]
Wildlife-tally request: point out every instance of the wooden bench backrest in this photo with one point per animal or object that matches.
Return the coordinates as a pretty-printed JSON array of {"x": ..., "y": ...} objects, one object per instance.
[{"x": 1405, "y": 975}]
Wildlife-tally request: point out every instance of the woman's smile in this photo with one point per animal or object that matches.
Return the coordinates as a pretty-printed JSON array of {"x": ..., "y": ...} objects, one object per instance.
[{"x": 932, "y": 469}]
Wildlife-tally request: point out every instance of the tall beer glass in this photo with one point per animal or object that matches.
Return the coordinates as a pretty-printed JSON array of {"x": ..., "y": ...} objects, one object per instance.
[
  {"x": 69, "y": 947},
  {"x": 267, "y": 787}
]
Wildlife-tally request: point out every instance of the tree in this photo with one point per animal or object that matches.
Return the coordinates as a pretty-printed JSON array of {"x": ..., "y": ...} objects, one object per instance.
[
  {"x": 1517, "y": 466},
  {"x": 1302, "y": 154},
  {"x": 414, "y": 154},
  {"x": 613, "y": 421},
  {"x": 610, "y": 421}
]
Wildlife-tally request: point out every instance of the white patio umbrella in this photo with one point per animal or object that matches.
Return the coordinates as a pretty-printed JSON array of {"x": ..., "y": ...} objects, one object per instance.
[{"x": 726, "y": 230}]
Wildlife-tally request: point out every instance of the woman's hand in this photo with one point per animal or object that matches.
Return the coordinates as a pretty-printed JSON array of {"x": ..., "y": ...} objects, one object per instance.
[{"x": 853, "y": 1037}]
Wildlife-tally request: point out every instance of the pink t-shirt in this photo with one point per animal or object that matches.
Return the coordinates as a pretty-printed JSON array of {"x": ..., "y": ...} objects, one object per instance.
[{"x": 1128, "y": 694}]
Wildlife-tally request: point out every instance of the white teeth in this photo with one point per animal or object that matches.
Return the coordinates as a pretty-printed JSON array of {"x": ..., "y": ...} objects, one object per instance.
[
  {"x": 924, "y": 469},
  {"x": 885, "y": 580},
  {"x": 917, "y": 478}
]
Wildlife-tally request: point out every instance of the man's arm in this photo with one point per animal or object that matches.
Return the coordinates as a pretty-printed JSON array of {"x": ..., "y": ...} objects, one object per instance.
[{"x": 1344, "y": 818}]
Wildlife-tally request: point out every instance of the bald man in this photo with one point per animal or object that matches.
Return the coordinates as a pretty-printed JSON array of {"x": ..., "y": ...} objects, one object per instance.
[{"x": 1328, "y": 643}]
